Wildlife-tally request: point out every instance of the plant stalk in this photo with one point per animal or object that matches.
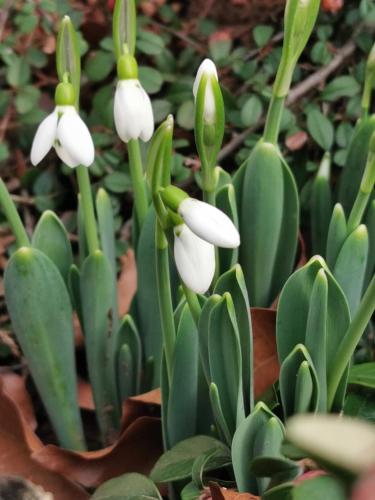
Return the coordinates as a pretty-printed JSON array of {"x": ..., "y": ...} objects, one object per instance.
[
  {"x": 138, "y": 181},
  {"x": 88, "y": 209},
  {"x": 273, "y": 121},
  {"x": 165, "y": 298},
  {"x": 13, "y": 217}
]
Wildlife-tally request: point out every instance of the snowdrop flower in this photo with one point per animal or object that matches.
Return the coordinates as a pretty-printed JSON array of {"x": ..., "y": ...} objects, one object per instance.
[
  {"x": 207, "y": 68},
  {"x": 209, "y": 223},
  {"x": 133, "y": 113},
  {"x": 195, "y": 259},
  {"x": 203, "y": 227},
  {"x": 64, "y": 130}
]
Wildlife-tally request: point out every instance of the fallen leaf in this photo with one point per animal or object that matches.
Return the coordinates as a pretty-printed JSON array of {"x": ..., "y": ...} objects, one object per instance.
[
  {"x": 219, "y": 493},
  {"x": 127, "y": 282},
  {"x": 137, "y": 449},
  {"x": 14, "y": 386},
  {"x": 266, "y": 364},
  {"x": 18, "y": 442},
  {"x": 296, "y": 141}
]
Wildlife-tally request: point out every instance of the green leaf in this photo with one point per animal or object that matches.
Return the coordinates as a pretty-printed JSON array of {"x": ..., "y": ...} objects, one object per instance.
[
  {"x": 185, "y": 115},
  {"x": 131, "y": 486},
  {"x": 262, "y": 34},
  {"x": 40, "y": 309},
  {"x": 320, "y": 487},
  {"x": 226, "y": 202},
  {"x": 321, "y": 206},
  {"x": 18, "y": 73},
  {"x": 363, "y": 374},
  {"x": 182, "y": 401},
  {"x": 51, "y": 238},
  {"x": 233, "y": 281},
  {"x": 191, "y": 492},
  {"x": 117, "y": 182},
  {"x": 151, "y": 79},
  {"x": 299, "y": 386},
  {"x": 342, "y": 86},
  {"x": 98, "y": 65},
  {"x": 225, "y": 361},
  {"x": 251, "y": 111},
  {"x": 337, "y": 233},
  {"x": 260, "y": 434},
  {"x": 149, "y": 43},
  {"x": 161, "y": 108},
  {"x": 220, "y": 49},
  {"x": 96, "y": 299},
  {"x": 361, "y": 405},
  {"x": 177, "y": 463},
  {"x": 26, "y": 99},
  {"x": 320, "y": 129},
  {"x": 350, "y": 266}
]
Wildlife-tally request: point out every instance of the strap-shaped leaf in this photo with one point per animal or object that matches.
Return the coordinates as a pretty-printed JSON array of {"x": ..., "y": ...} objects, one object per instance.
[
  {"x": 132, "y": 486},
  {"x": 203, "y": 328},
  {"x": 40, "y": 309},
  {"x": 183, "y": 392},
  {"x": 225, "y": 360},
  {"x": 355, "y": 164},
  {"x": 51, "y": 238},
  {"x": 316, "y": 334},
  {"x": 107, "y": 240},
  {"x": 337, "y": 232},
  {"x": 370, "y": 224},
  {"x": 350, "y": 266},
  {"x": 148, "y": 317},
  {"x": 321, "y": 206},
  {"x": 221, "y": 423},
  {"x": 226, "y": 201},
  {"x": 96, "y": 299},
  {"x": 128, "y": 336},
  {"x": 246, "y": 446},
  {"x": 261, "y": 220},
  {"x": 294, "y": 306},
  {"x": 299, "y": 386},
  {"x": 233, "y": 281}
]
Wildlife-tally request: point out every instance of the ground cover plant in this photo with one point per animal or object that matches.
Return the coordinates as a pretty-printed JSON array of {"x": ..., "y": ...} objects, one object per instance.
[{"x": 253, "y": 254}]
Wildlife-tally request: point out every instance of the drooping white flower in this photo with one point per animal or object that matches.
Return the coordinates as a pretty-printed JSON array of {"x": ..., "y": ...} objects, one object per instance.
[
  {"x": 64, "y": 130},
  {"x": 209, "y": 223},
  {"x": 133, "y": 113},
  {"x": 208, "y": 68},
  {"x": 195, "y": 259}
]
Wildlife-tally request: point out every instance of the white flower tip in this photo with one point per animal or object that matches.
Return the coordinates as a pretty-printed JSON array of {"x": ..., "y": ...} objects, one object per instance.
[{"x": 207, "y": 67}]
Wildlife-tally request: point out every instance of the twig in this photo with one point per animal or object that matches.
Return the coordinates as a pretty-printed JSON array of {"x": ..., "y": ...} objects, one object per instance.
[{"x": 300, "y": 90}]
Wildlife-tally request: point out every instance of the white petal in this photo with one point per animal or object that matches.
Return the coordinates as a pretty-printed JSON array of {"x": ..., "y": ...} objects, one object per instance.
[
  {"x": 75, "y": 138},
  {"x": 195, "y": 259},
  {"x": 207, "y": 67},
  {"x": 132, "y": 111},
  {"x": 147, "y": 118},
  {"x": 65, "y": 157},
  {"x": 209, "y": 223},
  {"x": 44, "y": 138}
]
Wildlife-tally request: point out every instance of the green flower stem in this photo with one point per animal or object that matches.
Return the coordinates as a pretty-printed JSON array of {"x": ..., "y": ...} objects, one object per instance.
[
  {"x": 272, "y": 127},
  {"x": 13, "y": 217},
  {"x": 88, "y": 209},
  {"x": 365, "y": 191},
  {"x": 209, "y": 197},
  {"x": 366, "y": 98},
  {"x": 138, "y": 181},
  {"x": 193, "y": 302},
  {"x": 350, "y": 341},
  {"x": 357, "y": 211},
  {"x": 165, "y": 297}
]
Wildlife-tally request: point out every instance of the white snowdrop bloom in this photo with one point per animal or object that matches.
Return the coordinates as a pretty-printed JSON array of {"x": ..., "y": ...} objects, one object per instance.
[
  {"x": 195, "y": 259},
  {"x": 208, "y": 68},
  {"x": 133, "y": 113},
  {"x": 209, "y": 223},
  {"x": 64, "y": 130}
]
